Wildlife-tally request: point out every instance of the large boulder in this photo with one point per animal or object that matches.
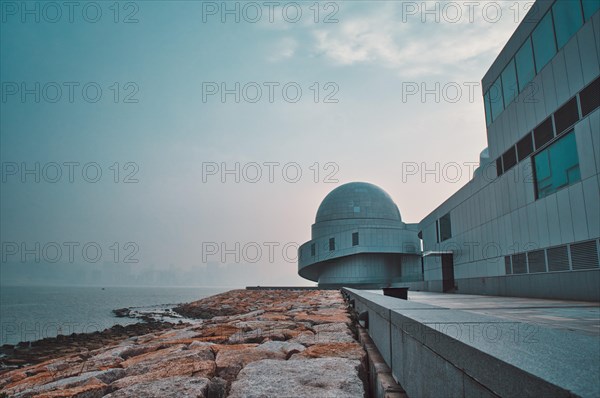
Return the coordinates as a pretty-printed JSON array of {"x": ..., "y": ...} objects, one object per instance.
[
  {"x": 171, "y": 387},
  {"x": 231, "y": 359},
  {"x": 320, "y": 377}
]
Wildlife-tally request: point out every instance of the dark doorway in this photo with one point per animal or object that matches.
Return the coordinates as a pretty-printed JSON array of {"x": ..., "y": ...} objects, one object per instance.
[{"x": 447, "y": 273}]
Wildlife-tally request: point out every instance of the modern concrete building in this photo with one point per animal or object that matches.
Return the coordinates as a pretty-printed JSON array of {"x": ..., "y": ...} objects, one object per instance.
[
  {"x": 528, "y": 223},
  {"x": 359, "y": 239}
]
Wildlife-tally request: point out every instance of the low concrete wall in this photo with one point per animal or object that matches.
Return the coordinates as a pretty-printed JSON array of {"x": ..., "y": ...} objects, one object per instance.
[
  {"x": 434, "y": 352},
  {"x": 581, "y": 285}
]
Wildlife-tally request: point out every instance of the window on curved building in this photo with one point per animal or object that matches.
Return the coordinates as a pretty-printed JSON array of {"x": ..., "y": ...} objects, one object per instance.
[
  {"x": 510, "y": 88},
  {"x": 331, "y": 244},
  {"x": 544, "y": 43},
  {"x": 313, "y": 250},
  {"x": 557, "y": 166},
  {"x": 590, "y": 7},
  {"x": 354, "y": 238},
  {"x": 525, "y": 65},
  {"x": 567, "y": 20},
  {"x": 496, "y": 100}
]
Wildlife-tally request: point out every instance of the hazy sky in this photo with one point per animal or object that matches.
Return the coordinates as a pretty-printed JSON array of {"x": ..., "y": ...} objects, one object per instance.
[{"x": 164, "y": 124}]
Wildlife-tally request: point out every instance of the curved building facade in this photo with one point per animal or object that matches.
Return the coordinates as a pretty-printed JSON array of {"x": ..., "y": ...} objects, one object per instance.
[{"x": 359, "y": 239}]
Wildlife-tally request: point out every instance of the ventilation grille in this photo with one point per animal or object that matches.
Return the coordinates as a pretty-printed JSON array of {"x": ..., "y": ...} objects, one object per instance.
[
  {"x": 576, "y": 256},
  {"x": 584, "y": 255},
  {"x": 519, "y": 262},
  {"x": 537, "y": 261},
  {"x": 558, "y": 259}
]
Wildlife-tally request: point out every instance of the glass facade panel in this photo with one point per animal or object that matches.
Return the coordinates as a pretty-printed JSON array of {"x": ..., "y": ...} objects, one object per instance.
[
  {"x": 567, "y": 20},
  {"x": 496, "y": 100},
  {"x": 488, "y": 109},
  {"x": 557, "y": 166},
  {"x": 525, "y": 65},
  {"x": 590, "y": 7},
  {"x": 355, "y": 239},
  {"x": 509, "y": 83},
  {"x": 544, "y": 45}
]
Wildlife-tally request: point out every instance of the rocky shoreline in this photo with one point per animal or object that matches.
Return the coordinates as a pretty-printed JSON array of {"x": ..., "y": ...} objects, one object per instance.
[
  {"x": 271, "y": 343},
  {"x": 32, "y": 353}
]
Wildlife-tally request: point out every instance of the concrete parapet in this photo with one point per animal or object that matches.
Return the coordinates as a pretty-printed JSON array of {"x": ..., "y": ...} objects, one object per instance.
[{"x": 433, "y": 350}]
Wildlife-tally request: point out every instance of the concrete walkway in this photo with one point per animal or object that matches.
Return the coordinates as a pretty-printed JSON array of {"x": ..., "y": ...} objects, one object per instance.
[
  {"x": 575, "y": 316},
  {"x": 475, "y": 345}
]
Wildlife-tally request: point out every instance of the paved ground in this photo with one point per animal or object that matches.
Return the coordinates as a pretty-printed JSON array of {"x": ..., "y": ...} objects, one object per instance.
[{"x": 576, "y": 316}]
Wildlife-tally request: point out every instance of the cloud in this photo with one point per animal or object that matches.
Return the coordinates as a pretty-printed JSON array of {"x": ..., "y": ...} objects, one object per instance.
[
  {"x": 284, "y": 49},
  {"x": 389, "y": 38}
]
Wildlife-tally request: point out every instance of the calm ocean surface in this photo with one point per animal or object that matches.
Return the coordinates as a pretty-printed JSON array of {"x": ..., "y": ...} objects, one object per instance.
[{"x": 33, "y": 313}]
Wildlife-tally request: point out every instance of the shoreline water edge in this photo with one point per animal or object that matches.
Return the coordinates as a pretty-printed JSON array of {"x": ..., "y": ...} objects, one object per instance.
[{"x": 238, "y": 343}]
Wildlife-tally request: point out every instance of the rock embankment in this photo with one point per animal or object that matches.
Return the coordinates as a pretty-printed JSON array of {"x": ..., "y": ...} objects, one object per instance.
[{"x": 278, "y": 343}]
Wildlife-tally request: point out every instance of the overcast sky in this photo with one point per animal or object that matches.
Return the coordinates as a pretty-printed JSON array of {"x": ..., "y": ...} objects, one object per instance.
[{"x": 166, "y": 125}]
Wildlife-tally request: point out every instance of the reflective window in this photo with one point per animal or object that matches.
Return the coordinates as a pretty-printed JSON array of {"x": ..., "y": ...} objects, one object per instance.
[
  {"x": 312, "y": 249},
  {"x": 496, "y": 101},
  {"x": 445, "y": 228},
  {"x": 567, "y": 20},
  {"x": 544, "y": 45},
  {"x": 355, "y": 239},
  {"x": 525, "y": 65},
  {"x": 331, "y": 244},
  {"x": 557, "y": 166},
  {"x": 509, "y": 83},
  {"x": 590, "y": 7},
  {"x": 488, "y": 109}
]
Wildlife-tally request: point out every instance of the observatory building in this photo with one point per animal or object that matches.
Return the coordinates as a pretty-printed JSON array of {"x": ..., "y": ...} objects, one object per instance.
[{"x": 359, "y": 240}]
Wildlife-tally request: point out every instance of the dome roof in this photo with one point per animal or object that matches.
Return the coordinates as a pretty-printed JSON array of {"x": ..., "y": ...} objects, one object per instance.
[{"x": 357, "y": 200}]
